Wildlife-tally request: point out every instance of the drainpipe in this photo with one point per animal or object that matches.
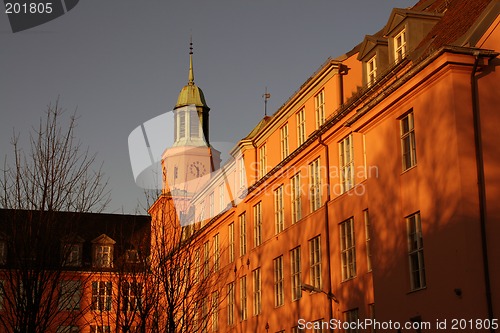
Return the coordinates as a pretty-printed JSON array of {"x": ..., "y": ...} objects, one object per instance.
[
  {"x": 481, "y": 187},
  {"x": 327, "y": 224}
]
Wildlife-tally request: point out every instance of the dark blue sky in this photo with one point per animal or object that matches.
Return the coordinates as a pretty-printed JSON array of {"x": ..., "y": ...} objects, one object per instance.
[{"x": 123, "y": 62}]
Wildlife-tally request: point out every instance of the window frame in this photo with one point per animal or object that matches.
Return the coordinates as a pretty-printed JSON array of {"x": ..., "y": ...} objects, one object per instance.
[
  {"x": 408, "y": 141},
  {"x": 319, "y": 107},
  {"x": 257, "y": 220},
  {"x": 296, "y": 273},
  {"x": 348, "y": 249},
  {"x": 279, "y": 210},
  {"x": 315, "y": 261},
  {"x": 315, "y": 184},
  {"x": 301, "y": 126},
  {"x": 415, "y": 237},
  {"x": 279, "y": 295},
  {"x": 346, "y": 161}
]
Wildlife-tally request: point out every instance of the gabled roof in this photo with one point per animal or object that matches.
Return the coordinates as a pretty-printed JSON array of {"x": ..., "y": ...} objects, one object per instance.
[
  {"x": 399, "y": 14},
  {"x": 257, "y": 128},
  {"x": 103, "y": 239},
  {"x": 369, "y": 44}
]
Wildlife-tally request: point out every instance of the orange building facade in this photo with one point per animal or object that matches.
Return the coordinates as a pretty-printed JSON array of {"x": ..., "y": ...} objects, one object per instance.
[{"x": 371, "y": 195}]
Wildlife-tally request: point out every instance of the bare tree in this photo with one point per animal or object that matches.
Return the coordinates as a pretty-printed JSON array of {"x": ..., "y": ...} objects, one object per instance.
[{"x": 56, "y": 174}]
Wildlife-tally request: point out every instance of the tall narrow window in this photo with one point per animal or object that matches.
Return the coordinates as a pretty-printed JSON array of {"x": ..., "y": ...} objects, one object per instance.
[
  {"x": 257, "y": 224},
  {"x": 368, "y": 236},
  {"x": 284, "y": 141},
  {"x": 222, "y": 202},
  {"x": 230, "y": 303},
  {"x": 131, "y": 294},
  {"x": 101, "y": 295},
  {"x": 231, "y": 242},
  {"x": 3, "y": 252},
  {"x": 408, "y": 145},
  {"x": 400, "y": 46},
  {"x": 416, "y": 251},
  {"x": 301, "y": 127},
  {"x": 371, "y": 70},
  {"x": 70, "y": 294},
  {"x": 211, "y": 205},
  {"x": 346, "y": 163},
  {"x": 243, "y": 233},
  {"x": 315, "y": 184},
  {"x": 71, "y": 254},
  {"x": 348, "y": 249},
  {"x": 319, "y": 105},
  {"x": 295, "y": 273},
  {"x": 296, "y": 198},
  {"x": 257, "y": 292},
  {"x": 206, "y": 259},
  {"x": 197, "y": 265},
  {"x": 278, "y": 281},
  {"x": 315, "y": 260},
  {"x": 216, "y": 252},
  {"x": 215, "y": 311},
  {"x": 243, "y": 298},
  {"x": 279, "y": 210},
  {"x": 241, "y": 170},
  {"x": 262, "y": 161},
  {"x": 351, "y": 316}
]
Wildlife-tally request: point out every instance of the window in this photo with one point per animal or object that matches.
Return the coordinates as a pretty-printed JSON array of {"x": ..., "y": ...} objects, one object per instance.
[
  {"x": 211, "y": 203},
  {"x": 103, "y": 256},
  {"x": 197, "y": 265},
  {"x": 101, "y": 295},
  {"x": 371, "y": 315},
  {"x": 416, "y": 251},
  {"x": 230, "y": 303},
  {"x": 408, "y": 145},
  {"x": 315, "y": 183},
  {"x": 70, "y": 293},
  {"x": 319, "y": 105},
  {"x": 296, "y": 329},
  {"x": 132, "y": 256},
  {"x": 315, "y": 260},
  {"x": 243, "y": 234},
  {"x": 204, "y": 312},
  {"x": 257, "y": 224},
  {"x": 216, "y": 252},
  {"x": 241, "y": 169},
  {"x": 222, "y": 203},
  {"x": 295, "y": 272},
  {"x": 262, "y": 161},
  {"x": 243, "y": 298},
  {"x": 346, "y": 163},
  {"x": 284, "y": 141},
  {"x": 351, "y": 316},
  {"x": 279, "y": 210},
  {"x": 278, "y": 281},
  {"x": 2, "y": 293},
  {"x": 347, "y": 248},
  {"x": 131, "y": 295},
  {"x": 301, "y": 127},
  {"x": 206, "y": 259},
  {"x": 368, "y": 236},
  {"x": 400, "y": 46},
  {"x": 371, "y": 70},
  {"x": 215, "y": 311},
  {"x": 257, "y": 292},
  {"x": 296, "y": 198},
  {"x": 71, "y": 254},
  {"x": 100, "y": 329},
  {"x": 231, "y": 242}
]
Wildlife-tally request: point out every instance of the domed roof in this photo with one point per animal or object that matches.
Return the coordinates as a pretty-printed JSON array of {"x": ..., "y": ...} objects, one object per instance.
[{"x": 191, "y": 94}]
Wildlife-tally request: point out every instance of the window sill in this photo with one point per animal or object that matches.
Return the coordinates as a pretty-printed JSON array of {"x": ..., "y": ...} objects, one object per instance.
[
  {"x": 409, "y": 169},
  {"x": 416, "y": 290}
]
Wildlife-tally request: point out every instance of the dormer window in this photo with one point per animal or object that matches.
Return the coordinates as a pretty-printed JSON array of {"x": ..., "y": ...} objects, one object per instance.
[
  {"x": 71, "y": 251},
  {"x": 400, "y": 46},
  {"x": 102, "y": 252},
  {"x": 371, "y": 70},
  {"x": 132, "y": 256}
]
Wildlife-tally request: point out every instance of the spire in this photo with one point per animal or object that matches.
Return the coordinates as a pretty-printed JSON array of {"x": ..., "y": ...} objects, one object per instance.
[{"x": 191, "y": 72}]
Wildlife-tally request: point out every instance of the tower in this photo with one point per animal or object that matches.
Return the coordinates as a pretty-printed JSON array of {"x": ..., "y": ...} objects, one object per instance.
[{"x": 188, "y": 163}]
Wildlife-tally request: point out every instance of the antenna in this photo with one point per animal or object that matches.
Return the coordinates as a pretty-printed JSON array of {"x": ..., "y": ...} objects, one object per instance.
[{"x": 266, "y": 96}]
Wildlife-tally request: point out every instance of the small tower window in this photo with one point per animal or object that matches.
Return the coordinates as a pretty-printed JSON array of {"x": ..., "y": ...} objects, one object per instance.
[
  {"x": 182, "y": 125},
  {"x": 194, "y": 124}
]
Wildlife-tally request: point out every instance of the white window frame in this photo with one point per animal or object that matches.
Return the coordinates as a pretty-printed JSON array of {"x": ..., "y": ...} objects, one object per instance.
[
  {"x": 231, "y": 241},
  {"x": 104, "y": 255},
  {"x": 315, "y": 261},
  {"x": 257, "y": 223},
  {"x": 216, "y": 252},
  {"x": 301, "y": 126},
  {"x": 242, "y": 219},
  {"x": 211, "y": 204},
  {"x": 400, "y": 46},
  {"x": 279, "y": 210},
  {"x": 319, "y": 106},
  {"x": 284, "y": 141},
  {"x": 348, "y": 249},
  {"x": 296, "y": 273},
  {"x": 368, "y": 236},
  {"x": 296, "y": 198},
  {"x": 222, "y": 203},
  {"x": 262, "y": 161},
  {"x": 257, "y": 291},
  {"x": 215, "y": 311},
  {"x": 371, "y": 71},
  {"x": 346, "y": 159},
  {"x": 416, "y": 252},
  {"x": 243, "y": 298},
  {"x": 408, "y": 143},
  {"x": 279, "y": 297},
  {"x": 131, "y": 294},
  {"x": 315, "y": 184},
  {"x": 102, "y": 295},
  {"x": 230, "y": 303},
  {"x": 351, "y": 316}
]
